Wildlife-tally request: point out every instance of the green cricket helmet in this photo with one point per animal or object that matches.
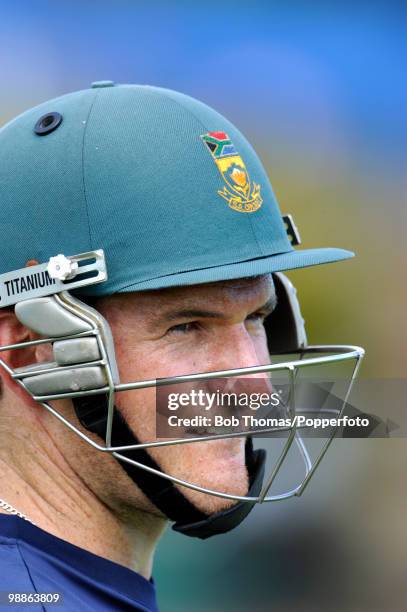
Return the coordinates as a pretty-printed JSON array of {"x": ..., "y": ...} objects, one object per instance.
[{"x": 161, "y": 191}]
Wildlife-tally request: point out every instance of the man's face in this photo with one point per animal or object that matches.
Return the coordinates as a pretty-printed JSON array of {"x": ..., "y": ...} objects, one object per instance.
[{"x": 187, "y": 330}]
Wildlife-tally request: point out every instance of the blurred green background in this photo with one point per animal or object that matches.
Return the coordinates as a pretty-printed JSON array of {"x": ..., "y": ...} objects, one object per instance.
[{"x": 320, "y": 91}]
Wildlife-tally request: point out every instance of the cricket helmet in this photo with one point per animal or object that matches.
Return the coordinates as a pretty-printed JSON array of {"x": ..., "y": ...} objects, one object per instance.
[{"x": 127, "y": 188}]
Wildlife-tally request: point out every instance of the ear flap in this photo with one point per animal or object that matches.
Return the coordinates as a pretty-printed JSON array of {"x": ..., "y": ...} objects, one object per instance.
[
  {"x": 78, "y": 362},
  {"x": 285, "y": 326}
]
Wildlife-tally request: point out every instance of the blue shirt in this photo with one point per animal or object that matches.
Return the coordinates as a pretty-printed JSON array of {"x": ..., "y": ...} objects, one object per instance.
[{"x": 34, "y": 561}]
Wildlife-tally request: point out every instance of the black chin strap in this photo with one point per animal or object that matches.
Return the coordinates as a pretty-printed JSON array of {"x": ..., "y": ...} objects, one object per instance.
[{"x": 91, "y": 412}]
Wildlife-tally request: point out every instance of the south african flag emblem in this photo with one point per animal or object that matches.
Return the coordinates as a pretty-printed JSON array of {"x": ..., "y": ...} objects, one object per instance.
[{"x": 239, "y": 192}]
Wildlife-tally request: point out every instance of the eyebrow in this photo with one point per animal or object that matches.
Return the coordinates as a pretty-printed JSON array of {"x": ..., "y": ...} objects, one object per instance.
[{"x": 192, "y": 313}]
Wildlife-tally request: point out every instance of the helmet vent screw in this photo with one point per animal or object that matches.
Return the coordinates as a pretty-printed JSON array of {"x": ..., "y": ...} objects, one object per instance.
[
  {"x": 47, "y": 124},
  {"x": 62, "y": 268}
]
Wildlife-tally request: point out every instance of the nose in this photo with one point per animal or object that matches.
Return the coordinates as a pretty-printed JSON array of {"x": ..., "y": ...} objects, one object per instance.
[{"x": 237, "y": 348}]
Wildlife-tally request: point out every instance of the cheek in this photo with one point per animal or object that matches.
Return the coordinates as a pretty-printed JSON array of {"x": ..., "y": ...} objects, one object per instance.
[
  {"x": 138, "y": 407},
  {"x": 148, "y": 360}
]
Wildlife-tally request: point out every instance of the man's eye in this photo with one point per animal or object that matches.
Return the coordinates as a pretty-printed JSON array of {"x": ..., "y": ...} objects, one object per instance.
[{"x": 183, "y": 328}]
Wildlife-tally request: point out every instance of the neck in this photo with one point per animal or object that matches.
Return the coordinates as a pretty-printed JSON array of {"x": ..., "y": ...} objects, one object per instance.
[{"x": 37, "y": 480}]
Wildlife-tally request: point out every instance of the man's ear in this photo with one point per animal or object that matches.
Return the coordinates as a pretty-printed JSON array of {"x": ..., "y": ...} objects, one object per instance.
[{"x": 13, "y": 332}]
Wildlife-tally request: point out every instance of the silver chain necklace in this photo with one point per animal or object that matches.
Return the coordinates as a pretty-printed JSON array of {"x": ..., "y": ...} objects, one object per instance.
[{"x": 11, "y": 510}]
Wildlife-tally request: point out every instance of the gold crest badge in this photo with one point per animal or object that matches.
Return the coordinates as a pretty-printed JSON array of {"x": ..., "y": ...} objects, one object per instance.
[{"x": 239, "y": 192}]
